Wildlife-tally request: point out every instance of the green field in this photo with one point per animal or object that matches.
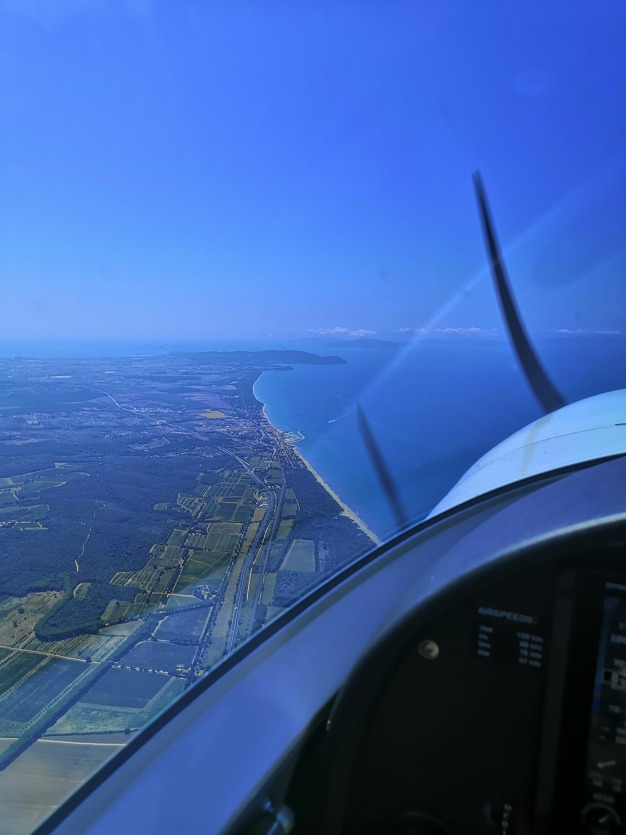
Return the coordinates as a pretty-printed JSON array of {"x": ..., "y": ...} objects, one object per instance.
[
  {"x": 300, "y": 556},
  {"x": 242, "y": 514},
  {"x": 202, "y": 565},
  {"x": 17, "y": 667},
  {"x": 36, "y": 486},
  {"x": 269, "y": 584},
  {"x": 125, "y": 688},
  {"x": 30, "y": 513},
  {"x": 276, "y": 556},
  {"x": 284, "y": 530},
  {"x": 220, "y": 542},
  {"x": 113, "y": 717},
  {"x": 177, "y": 537},
  {"x": 237, "y": 491},
  {"x": 16, "y": 490},
  {"x": 195, "y": 540},
  {"x": 192, "y": 504},
  {"x": 7, "y": 497},
  {"x": 167, "y": 556}
]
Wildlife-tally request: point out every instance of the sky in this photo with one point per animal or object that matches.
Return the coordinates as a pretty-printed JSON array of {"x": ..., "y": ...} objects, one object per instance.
[{"x": 205, "y": 170}]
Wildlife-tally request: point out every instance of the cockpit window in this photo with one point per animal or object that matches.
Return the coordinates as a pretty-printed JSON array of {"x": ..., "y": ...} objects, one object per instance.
[{"x": 227, "y": 232}]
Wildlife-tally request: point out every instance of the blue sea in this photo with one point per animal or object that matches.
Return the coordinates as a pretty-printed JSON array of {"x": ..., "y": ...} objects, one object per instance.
[{"x": 435, "y": 407}]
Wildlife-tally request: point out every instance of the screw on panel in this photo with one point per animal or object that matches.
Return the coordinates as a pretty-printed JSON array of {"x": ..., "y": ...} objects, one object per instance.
[{"x": 428, "y": 649}]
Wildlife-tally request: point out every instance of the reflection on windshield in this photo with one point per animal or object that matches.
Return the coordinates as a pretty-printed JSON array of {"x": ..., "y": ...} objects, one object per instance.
[{"x": 224, "y": 233}]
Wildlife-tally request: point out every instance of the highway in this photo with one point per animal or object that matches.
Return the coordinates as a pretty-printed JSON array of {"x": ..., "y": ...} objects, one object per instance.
[
  {"x": 267, "y": 547},
  {"x": 250, "y": 556}
]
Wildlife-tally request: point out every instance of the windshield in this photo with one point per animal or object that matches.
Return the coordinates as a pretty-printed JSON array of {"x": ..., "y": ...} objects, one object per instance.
[{"x": 228, "y": 230}]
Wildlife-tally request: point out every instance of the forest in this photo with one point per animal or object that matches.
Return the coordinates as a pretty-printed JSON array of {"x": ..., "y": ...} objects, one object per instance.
[
  {"x": 105, "y": 523},
  {"x": 72, "y": 616},
  {"x": 319, "y": 518}
]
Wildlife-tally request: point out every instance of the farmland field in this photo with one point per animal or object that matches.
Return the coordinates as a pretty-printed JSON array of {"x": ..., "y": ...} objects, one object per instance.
[
  {"x": 37, "y": 691},
  {"x": 17, "y": 667},
  {"x": 184, "y": 627},
  {"x": 31, "y": 513},
  {"x": 31, "y": 786},
  {"x": 300, "y": 556},
  {"x": 125, "y": 688},
  {"x": 202, "y": 565},
  {"x": 160, "y": 655}
]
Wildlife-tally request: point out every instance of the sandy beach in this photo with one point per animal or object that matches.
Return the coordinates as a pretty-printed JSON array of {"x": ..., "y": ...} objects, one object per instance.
[{"x": 345, "y": 510}]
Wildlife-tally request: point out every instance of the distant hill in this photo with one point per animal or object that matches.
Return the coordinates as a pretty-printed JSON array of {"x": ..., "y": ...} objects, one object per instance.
[
  {"x": 265, "y": 357},
  {"x": 365, "y": 343},
  {"x": 331, "y": 343}
]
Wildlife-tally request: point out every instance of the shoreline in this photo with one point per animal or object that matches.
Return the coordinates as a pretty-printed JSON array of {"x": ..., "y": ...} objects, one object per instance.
[{"x": 345, "y": 509}]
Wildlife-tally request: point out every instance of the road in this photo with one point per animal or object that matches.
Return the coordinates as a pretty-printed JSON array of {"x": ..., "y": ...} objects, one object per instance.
[
  {"x": 82, "y": 550},
  {"x": 253, "y": 551},
  {"x": 268, "y": 549}
]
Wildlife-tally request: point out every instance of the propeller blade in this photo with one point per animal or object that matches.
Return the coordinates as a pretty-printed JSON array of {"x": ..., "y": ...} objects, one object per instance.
[
  {"x": 382, "y": 471},
  {"x": 542, "y": 386}
]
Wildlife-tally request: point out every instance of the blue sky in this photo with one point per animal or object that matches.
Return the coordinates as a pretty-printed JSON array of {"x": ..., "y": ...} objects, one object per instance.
[{"x": 199, "y": 169}]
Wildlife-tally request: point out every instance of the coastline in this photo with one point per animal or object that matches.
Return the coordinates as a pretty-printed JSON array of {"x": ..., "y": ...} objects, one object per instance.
[{"x": 345, "y": 509}]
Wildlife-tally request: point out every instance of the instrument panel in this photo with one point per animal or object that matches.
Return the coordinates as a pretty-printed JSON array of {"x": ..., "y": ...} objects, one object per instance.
[
  {"x": 506, "y": 715},
  {"x": 594, "y": 750}
]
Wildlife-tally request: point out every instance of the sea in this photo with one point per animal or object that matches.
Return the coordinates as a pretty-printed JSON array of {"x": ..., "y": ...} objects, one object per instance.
[{"x": 434, "y": 404}]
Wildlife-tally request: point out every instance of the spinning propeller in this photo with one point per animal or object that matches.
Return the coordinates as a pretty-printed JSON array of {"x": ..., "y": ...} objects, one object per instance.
[{"x": 542, "y": 386}]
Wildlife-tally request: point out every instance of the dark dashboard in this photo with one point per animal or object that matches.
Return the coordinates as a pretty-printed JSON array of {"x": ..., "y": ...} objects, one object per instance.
[{"x": 497, "y": 706}]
